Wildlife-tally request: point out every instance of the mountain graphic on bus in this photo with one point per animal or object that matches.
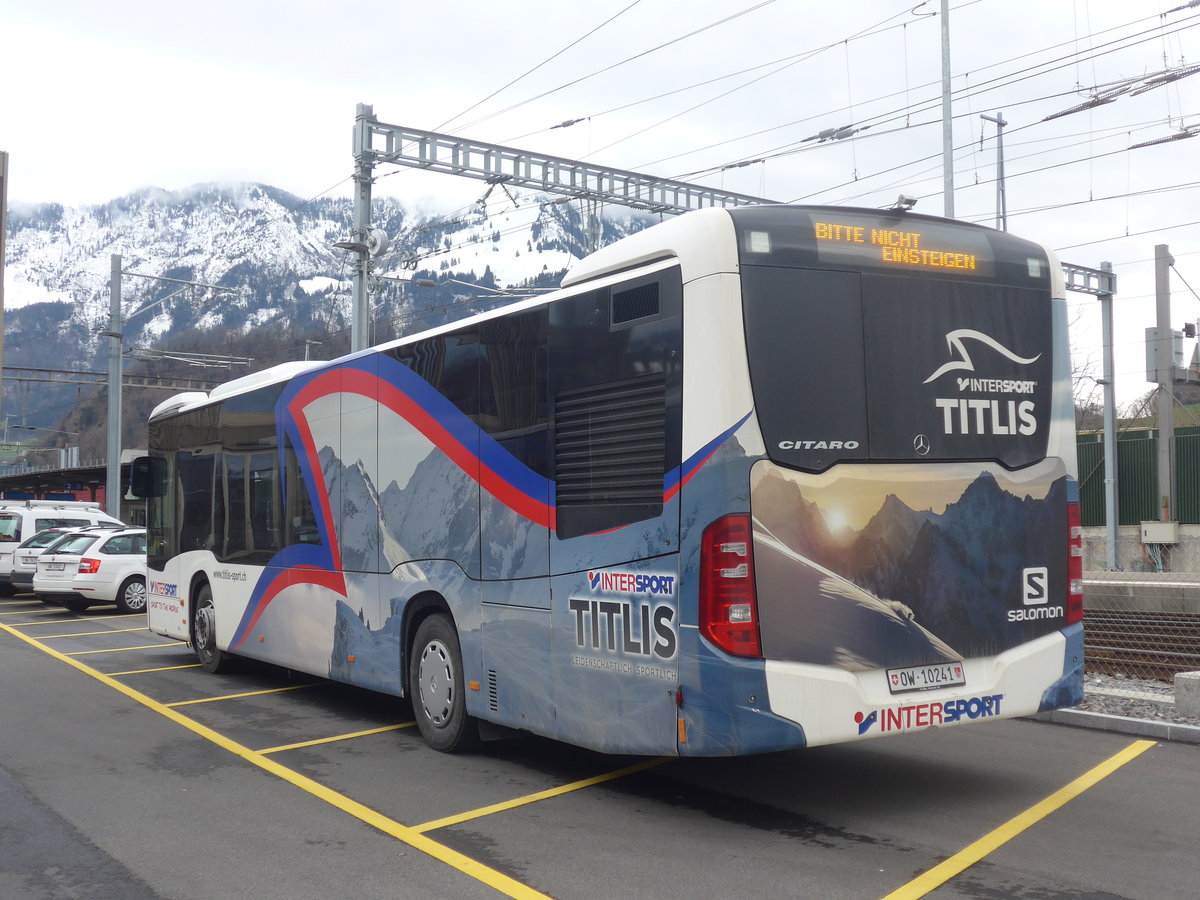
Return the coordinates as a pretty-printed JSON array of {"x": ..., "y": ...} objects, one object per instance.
[{"x": 955, "y": 566}]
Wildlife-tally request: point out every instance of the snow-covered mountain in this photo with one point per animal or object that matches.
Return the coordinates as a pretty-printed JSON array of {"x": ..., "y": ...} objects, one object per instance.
[{"x": 275, "y": 252}]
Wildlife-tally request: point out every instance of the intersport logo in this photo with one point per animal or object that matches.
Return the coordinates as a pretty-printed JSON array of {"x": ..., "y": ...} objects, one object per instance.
[{"x": 956, "y": 341}]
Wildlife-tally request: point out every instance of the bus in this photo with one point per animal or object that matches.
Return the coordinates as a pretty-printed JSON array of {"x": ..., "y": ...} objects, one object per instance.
[{"x": 751, "y": 479}]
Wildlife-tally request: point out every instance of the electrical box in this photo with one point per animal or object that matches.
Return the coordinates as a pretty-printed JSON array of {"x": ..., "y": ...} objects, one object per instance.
[
  {"x": 1160, "y": 532},
  {"x": 1176, "y": 338}
]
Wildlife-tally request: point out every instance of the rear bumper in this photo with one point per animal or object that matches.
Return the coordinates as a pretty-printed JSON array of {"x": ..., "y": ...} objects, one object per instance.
[{"x": 835, "y": 705}]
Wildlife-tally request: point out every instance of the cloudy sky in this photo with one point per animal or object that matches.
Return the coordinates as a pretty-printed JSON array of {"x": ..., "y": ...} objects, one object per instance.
[{"x": 103, "y": 99}]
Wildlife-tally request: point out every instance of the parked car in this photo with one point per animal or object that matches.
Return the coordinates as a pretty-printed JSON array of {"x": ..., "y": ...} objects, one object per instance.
[
  {"x": 89, "y": 567},
  {"x": 22, "y": 519},
  {"x": 25, "y": 557}
]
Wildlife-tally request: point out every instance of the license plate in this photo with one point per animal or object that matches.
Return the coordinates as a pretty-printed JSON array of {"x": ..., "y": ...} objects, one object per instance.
[
  {"x": 55, "y": 567},
  {"x": 926, "y": 678}
]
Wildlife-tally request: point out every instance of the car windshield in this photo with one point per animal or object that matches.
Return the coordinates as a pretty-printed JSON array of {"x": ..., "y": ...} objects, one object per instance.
[
  {"x": 42, "y": 539},
  {"x": 72, "y": 543}
]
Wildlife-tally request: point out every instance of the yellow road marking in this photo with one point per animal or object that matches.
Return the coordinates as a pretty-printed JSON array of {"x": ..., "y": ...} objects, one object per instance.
[
  {"x": 113, "y": 650},
  {"x": 157, "y": 669},
  {"x": 410, "y": 836},
  {"x": 62, "y": 620},
  {"x": 338, "y": 737},
  {"x": 294, "y": 687},
  {"x": 534, "y": 798},
  {"x": 967, "y": 857},
  {"x": 46, "y": 637}
]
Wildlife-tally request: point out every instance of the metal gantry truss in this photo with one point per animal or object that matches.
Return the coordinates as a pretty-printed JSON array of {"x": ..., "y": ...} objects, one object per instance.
[{"x": 377, "y": 142}]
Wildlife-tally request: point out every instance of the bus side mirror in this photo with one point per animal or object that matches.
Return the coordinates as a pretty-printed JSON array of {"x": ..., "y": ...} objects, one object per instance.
[{"x": 148, "y": 477}]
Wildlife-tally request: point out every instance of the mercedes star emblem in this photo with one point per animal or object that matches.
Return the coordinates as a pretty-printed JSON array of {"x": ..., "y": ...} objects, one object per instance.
[{"x": 921, "y": 444}]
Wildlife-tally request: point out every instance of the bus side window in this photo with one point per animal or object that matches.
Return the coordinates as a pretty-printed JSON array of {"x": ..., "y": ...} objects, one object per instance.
[
  {"x": 300, "y": 519},
  {"x": 196, "y": 496},
  {"x": 513, "y": 393},
  {"x": 616, "y": 355}
]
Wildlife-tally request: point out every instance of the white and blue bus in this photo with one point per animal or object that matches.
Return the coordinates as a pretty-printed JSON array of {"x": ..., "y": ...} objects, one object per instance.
[{"x": 752, "y": 479}]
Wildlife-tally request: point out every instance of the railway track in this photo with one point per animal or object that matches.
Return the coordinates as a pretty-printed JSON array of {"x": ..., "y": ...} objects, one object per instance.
[{"x": 1148, "y": 645}]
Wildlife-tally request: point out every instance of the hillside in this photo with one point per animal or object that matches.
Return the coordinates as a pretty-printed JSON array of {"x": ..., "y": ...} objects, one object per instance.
[{"x": 288, "y": 288}]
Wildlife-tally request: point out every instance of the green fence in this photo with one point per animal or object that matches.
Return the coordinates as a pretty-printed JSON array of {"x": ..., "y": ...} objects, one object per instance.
[{"x": 1137, "y": 477}]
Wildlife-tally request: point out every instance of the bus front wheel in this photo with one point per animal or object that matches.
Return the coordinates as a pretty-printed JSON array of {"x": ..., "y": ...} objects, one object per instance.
[
  {"x": 204, "y": 634},
  {"x": 435, "y": 678}
]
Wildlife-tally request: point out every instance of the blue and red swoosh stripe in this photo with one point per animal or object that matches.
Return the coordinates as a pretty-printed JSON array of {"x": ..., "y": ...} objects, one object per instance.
[{"x": 399, "y": 389}]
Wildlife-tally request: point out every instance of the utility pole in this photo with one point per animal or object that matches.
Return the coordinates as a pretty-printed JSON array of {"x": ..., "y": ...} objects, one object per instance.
[
  {"x": 112, "y": 477},
  {"x": 1164, "y": 366},
  {"x": 947, "y": 121},
  {"x": 363, "y": 166},
  {"x": 1001, "y": 200},
  {"x": 3, "y": 237},
  {"x": 1111, "y": 515}
]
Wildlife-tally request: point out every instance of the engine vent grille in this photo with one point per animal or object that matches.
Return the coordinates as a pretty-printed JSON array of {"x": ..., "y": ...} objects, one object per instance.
[{"x": 609, "y": 454}]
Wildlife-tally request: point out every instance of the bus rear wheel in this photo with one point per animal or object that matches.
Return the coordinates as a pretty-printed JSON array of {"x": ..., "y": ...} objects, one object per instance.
[
  {"x": 435, "y": 678},
  {"x": 204, "y": 634}
]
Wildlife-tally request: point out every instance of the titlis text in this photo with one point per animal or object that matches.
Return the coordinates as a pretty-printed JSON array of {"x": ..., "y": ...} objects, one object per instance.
[
  {"x": 963, "y": 416},
  {"x": 623, "y": 626}
]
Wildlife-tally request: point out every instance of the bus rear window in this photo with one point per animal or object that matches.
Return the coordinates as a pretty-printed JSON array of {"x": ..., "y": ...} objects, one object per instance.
[
  {"x": 10, "y": 528},
  {"x": 849, "y": 366}
]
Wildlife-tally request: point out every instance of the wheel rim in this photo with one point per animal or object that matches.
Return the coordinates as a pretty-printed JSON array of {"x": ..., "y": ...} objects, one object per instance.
[
  {"x": 135, "y": 596},
  {"x": 206, "y": 622},
  {"x": 435, "y": 677}
]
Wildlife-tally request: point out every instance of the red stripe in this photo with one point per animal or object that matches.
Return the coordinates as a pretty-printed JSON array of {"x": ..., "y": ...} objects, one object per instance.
[
  {"x": 334, "y": 581},
  {"x": 358, "y": 382}
]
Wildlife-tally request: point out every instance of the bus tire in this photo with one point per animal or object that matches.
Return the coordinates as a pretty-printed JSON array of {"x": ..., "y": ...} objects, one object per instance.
[
  {"x": 131, "y": 598},
  {"x": 435, "y": 678},
  {"x": 204, "y": 634}
]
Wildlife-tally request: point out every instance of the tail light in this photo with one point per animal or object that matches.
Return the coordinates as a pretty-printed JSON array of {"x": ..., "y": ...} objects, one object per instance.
[
  {"x": 1074, "y": 565},
  {"x": 89, "y": 566},
  {"x": 728, "y": 603}
]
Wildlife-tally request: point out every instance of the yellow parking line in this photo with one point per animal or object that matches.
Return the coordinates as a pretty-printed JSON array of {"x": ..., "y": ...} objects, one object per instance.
[
  {"x": 338, "y": 737},
  {"x": 156, "y": 669},
  {"x": 497, "y": 880},
  {"x": 59, "y": 620},
  {"x": 295, "y": 687},
  {"x": 46, "y": 637},
  {"x": 967, "y": 857},
  {"x": 534, "y": 798},
  {"x": 113, "y": 650}
]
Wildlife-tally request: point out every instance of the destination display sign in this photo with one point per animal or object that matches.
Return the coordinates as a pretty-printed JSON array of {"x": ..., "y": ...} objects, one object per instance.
[{"x": 898, "y": 242}]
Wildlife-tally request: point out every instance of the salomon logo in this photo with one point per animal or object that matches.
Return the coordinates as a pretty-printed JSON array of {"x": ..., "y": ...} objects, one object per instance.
[{"x": 1033, "y": 586}]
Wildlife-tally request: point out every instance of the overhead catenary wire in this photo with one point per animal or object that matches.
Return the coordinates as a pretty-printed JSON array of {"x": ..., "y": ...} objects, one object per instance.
[
  {"x": 622, "y": 62},
  {"x": 548, "y": 59},
  {"x": 922, "y": 106}
]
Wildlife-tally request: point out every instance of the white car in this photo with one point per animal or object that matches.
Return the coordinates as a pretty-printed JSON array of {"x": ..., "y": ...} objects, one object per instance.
[
  {"x": 25, "y": 557},
  {"x": 22, "y": 519},
  {"x": 89, "y": 567}
]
